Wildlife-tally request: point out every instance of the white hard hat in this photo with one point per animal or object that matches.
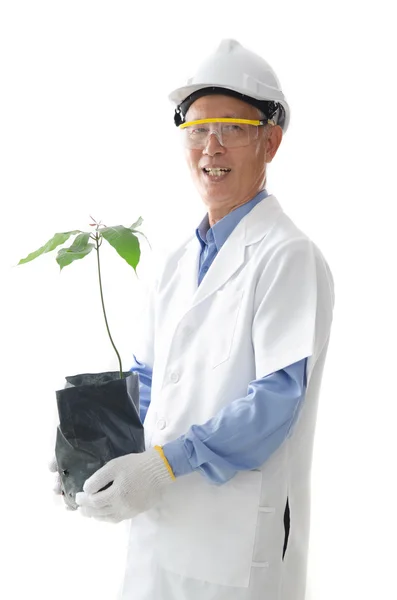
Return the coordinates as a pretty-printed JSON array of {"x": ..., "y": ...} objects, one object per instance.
[{"x": 238, "y": 72}]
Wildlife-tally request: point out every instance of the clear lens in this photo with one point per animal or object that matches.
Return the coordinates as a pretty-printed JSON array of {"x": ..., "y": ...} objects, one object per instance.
[{"x": 230, "y": 135}]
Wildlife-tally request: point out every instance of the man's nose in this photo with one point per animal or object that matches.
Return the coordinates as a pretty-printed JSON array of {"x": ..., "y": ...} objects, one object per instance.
[{"x": 213, "y": 145}]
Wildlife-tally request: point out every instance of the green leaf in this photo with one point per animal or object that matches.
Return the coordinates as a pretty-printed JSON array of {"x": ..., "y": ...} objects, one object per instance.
[
  {"x": 125, "y": 242},
  {"x": 56, "y": 240},
  {"x": 140, "y": 233},
  {"x": 138, "y": 223},
  {"x": 79, "y": 249}
]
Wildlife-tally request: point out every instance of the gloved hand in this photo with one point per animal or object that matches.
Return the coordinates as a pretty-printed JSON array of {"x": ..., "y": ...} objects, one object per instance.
[
  {"x": 57, "y": 489},
  {"x": 135, "y": 485},
  {"x": 52, "y": 465}
]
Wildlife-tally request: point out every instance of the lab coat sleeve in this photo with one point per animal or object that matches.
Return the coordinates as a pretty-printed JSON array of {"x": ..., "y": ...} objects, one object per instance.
[
  {"x": 285, "y": 304},
  {"x": 143, "y": 335},
  {"x": 143, "y": 339},
  {"x": 143, "y": 357},
  {"x": 145, "y": 386},
  {"x": 245, "y": 433}
]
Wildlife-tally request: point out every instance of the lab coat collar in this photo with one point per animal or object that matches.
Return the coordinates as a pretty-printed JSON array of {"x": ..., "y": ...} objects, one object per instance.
[
  {"x": 222, "y": 229},
  {"x": 251, "y": 229}
]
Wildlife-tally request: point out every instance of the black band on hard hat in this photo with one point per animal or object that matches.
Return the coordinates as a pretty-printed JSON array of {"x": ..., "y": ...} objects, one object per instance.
[{"x": 268, "y": 107}]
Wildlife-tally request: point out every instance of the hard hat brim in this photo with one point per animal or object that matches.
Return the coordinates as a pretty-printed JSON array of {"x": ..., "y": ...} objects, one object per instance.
[{"x": 180, "y": 94}]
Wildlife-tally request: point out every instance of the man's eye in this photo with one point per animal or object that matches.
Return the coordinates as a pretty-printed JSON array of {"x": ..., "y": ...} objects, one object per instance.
[
  {"x": 198, "y": 130},
  {"x": 233, "y": 127}
]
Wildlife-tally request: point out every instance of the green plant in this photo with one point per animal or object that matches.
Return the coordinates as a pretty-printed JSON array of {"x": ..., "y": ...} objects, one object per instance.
[{"x": 123, "y": 240}]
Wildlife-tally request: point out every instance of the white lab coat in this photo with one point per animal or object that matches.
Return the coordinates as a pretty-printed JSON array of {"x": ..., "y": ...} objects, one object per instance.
[{"x": 265, "y": 303}]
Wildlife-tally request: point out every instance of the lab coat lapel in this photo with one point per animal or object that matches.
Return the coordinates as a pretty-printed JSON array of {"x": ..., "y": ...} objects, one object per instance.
[
  {"x": 227, "y": 261},
  {"x": 252, "y": 228}
]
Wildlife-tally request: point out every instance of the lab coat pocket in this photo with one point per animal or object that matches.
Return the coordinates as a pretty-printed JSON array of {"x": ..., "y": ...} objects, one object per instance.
[
  {"x": 227, "y": 309},
  {"x": 207, "y": 532}
]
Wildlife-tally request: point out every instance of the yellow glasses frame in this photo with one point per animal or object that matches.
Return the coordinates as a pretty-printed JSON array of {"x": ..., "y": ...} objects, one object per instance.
[{"x": 226, "y": 120}]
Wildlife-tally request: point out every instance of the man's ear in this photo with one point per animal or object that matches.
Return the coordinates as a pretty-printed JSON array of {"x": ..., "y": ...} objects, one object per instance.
[{"x": 274, "y": 138}]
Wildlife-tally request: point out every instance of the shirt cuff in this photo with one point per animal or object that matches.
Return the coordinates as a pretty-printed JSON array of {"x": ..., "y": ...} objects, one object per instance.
[{"x": 176, "y": 455}]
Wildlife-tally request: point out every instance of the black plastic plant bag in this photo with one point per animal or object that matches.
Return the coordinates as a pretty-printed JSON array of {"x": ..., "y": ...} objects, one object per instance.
[{"x": 98, "y": 420}]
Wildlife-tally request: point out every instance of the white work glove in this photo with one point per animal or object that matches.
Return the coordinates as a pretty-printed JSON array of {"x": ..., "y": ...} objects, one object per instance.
[
  {"x": 53, "y": 466},
  {"x": 137, "y": 481},
  {"x": 57, "y": 489}
]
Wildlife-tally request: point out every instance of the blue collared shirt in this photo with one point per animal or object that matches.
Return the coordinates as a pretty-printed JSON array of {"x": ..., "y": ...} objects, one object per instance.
[{"x": 247, "y": 431}]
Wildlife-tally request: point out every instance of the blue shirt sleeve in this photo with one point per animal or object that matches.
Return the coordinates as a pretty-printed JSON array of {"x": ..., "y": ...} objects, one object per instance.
[
  {"x": 145, "y": 386},
  {"x": 245, "y": 433}
]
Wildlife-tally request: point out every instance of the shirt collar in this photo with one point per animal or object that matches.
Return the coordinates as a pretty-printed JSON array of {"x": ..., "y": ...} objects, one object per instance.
[{"x": 219, "y": 232}]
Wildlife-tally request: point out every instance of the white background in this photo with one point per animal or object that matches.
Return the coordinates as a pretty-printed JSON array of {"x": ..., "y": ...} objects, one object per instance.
[{"x": 86, "y": 128}]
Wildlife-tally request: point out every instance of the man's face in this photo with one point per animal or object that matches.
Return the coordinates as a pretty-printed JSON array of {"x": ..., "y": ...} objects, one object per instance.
[{"x": 247, "y": 164}]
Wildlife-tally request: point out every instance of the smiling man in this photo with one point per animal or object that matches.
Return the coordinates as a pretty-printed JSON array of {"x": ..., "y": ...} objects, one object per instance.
[
  {"x": 230, "y": 360},
  {"x": 228, "y": 158}
]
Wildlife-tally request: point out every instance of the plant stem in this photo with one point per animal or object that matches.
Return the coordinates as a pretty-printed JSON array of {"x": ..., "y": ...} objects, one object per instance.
[{"x": 103, "y": 304}]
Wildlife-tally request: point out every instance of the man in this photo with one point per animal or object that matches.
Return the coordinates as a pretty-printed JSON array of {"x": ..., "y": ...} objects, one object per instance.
[{"x": 230, "y": 363}]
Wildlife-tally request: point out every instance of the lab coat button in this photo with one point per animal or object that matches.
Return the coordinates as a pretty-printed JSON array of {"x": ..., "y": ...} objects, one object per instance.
[
  {"x": 161, "y": 424},
  {"x": 174, "y": 377}
]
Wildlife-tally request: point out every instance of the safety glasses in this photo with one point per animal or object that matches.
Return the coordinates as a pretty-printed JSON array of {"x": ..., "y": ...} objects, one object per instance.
[{"x": 231, "y": 133}]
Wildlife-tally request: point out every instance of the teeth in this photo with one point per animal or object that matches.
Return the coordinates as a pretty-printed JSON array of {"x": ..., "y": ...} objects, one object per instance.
[{"x": 216, "y": 172}]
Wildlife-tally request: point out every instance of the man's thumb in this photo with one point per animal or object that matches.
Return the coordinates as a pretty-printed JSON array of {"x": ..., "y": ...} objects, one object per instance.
[{"x": 99, "y": 480}]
